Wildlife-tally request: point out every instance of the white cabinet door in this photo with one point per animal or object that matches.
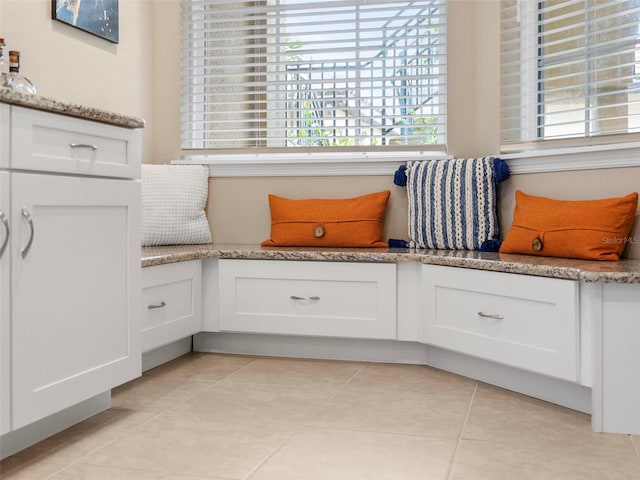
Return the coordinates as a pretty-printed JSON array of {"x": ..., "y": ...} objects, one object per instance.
[
  {"x": 75, "y": 263},
  {"x": 171, "y": 303},
  {"x": 5, "y": 310}
]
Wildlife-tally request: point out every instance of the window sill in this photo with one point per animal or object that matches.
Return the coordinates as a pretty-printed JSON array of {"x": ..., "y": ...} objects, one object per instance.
[
  {"x": 575, "y": 158},
  {"x": 386, "y": 163},
  {"x": 306, "y": 164}
]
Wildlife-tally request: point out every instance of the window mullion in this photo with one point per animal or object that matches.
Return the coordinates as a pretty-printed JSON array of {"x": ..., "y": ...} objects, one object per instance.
[{"x": 588, "y": 40}]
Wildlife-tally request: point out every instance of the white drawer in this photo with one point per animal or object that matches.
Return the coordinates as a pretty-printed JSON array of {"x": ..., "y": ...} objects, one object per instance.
[
  {"x": 519, "y": 320},
  {"x": 355, "y": 300},
  {"x": 47, "y": 142},
  {"x": 171, "y": 299}
]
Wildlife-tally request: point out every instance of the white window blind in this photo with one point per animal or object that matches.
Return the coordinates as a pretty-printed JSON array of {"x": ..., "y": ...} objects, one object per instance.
[
  {"x": 569, "y": 69},
  {"x": 309, "y": 73}
]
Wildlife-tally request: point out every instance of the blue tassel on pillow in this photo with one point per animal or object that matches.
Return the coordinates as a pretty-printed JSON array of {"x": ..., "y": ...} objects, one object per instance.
[
  {"x": 500, "y": 170},
  {"x": 490, "y": 246},
  {"x": 397, "y": 243},
  {"x": 400, "y": 177}
]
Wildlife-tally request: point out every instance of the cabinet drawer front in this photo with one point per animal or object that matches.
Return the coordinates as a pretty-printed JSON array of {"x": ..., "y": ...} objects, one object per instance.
[
  {"x": 308, "y": 298},
  {"x": 51, "y": 143},
  {"x": 523, "y": 321},
  {"x": 170, "y": 303}
]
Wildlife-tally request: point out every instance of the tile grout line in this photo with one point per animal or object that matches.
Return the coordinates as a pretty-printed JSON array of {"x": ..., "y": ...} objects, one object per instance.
[
  {"x": 132, "y": 469},
  {"x": 339, "y": 390},
  {"x": 300, "y": 428},
  {"x": 454, "y": 457},
  {"x": 117, "y": 438},
  {"x": 255, "y": 359},
  {"x": 247, "y": 382},
  {"x": 275, "y": 450},
  {"x": 345, "y": 384}
]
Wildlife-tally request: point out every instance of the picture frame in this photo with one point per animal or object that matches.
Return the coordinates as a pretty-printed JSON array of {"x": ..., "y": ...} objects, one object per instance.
[{"x": 97, "y": 17}]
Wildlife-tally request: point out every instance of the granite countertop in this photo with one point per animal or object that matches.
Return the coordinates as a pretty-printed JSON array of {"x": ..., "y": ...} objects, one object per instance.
[
  {"x": 65, "y": 108},
  {"x": 624, "y": 271}
]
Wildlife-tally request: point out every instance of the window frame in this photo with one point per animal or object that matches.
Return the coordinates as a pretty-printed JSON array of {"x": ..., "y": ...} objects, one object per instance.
[
  {"x": 531, "y": 118},
  {"x": 208, "y": 154}
]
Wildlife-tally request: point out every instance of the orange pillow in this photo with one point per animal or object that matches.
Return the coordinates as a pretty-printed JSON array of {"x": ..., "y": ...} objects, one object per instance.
[
  {"x": 351, "y": 222},
  {"x": 586, "y": 229}
]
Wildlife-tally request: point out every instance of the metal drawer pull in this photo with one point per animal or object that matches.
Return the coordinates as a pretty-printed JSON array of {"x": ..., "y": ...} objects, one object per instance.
[
  {"x": 5, "y": 222},
  {"x": 314, "y": 299},
  {"x": 497, "y": 316},
  {"x": 157, "y": 305},
  {"x": 27, "y": 217},
  {"x": 84, "y": 145}
]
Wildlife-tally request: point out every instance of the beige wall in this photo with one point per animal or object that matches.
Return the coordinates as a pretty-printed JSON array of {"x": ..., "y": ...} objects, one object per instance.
[
  {"x": 141, "y": 76},
  {"x": 166, "y": 78},
  {"x": 68, "y": 64},
  {"x": 238, "y": 208}
]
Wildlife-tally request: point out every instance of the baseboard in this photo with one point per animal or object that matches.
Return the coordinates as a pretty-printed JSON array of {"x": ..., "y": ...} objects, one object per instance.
[
  {"x": 166, "y": 353},
  {"x": 554, "y": 390},
  {"x": 560, "y": 392},
  {"x": 24, "y": 437},
  {"x": 330, "y": 348}
]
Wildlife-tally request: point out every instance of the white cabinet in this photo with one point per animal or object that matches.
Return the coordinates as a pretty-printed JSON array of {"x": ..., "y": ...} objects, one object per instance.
[
  {"x": 72, "y": 270},
  {"x": 355, "y": 300},
  {"x": 171, "y": 303},
  {"x": 519, "y": 320},
  {"x": 5, "y": 298},
  {"x": 616, "y": 383}
]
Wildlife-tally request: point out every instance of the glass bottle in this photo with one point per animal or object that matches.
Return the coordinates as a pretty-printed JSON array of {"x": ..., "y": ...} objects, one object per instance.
[{"x": 14, "y": 80}]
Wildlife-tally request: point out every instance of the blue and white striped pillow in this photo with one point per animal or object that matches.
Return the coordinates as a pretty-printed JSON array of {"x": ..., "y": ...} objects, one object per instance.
[{"x": 453, "y": 203}]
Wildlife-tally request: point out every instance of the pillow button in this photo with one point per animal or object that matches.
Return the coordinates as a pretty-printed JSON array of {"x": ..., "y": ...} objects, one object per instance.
[
  {"x": 536, "y": 244},
  {"x": 318, "y": 231}
]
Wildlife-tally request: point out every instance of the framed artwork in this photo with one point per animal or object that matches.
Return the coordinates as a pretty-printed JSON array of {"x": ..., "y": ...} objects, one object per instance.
[{"x": 98, "y": 17}]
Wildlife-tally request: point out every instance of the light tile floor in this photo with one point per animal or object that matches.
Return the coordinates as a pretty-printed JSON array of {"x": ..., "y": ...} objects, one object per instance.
[{"x": 209, "y": 416}]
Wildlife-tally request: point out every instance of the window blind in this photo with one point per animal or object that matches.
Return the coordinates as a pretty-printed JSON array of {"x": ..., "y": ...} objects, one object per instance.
[
  {"x": 313, "y": 73},
  {"x": 569, "y": 69}
]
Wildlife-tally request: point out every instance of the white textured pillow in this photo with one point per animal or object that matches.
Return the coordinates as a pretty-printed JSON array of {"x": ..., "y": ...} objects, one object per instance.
[{"x": 173, "y": 202}]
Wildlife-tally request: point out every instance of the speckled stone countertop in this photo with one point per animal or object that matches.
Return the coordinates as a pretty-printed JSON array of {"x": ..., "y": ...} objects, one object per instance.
[
  {"x": 625, "y": 271},
  {"x": 65, "y": 108}
]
